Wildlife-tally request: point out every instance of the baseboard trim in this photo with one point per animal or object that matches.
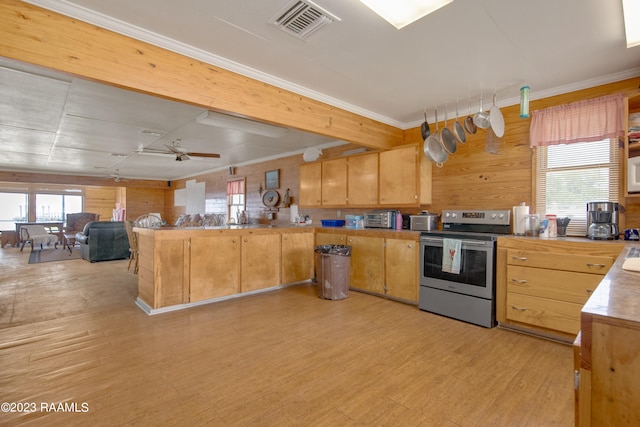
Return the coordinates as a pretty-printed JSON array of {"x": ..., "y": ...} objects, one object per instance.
[{"x": 153, "y": 311}]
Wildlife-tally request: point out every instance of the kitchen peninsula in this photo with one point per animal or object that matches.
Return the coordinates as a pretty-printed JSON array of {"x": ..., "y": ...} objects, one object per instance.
[{"x": 180, "y": 267}]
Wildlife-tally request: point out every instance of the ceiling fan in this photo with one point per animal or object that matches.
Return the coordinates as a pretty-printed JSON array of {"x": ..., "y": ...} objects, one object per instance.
[
  {"x": 117, "y": 177},
  {"x": 179, "y": 151}
]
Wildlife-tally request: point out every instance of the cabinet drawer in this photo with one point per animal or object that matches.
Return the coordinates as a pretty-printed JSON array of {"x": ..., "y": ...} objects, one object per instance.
[
  {"x": 566, "y": 286},
  {"x": 542, "y": 312},
  {"x": 559, "y": 261}
]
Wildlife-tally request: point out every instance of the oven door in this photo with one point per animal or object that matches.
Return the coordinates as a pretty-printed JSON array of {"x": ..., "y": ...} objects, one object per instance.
[{"x": 477, "y": 266}]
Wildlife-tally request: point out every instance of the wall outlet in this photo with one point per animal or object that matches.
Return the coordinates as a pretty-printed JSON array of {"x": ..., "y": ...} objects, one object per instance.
[{"x": 339, "y": 213}]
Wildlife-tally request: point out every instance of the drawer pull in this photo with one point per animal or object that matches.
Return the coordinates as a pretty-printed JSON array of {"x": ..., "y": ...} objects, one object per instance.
[
  {"x": 589, "y": 291},
  {"x": 521, "y": 258},
  {"x": 519, "y": 281},
  {"x": 518, "y": 308},
  {"x": 589, "y": 264}
]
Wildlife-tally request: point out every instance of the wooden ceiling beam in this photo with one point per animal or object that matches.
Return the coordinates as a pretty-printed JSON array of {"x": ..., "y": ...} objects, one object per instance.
[{"x": 38, "y": 36}]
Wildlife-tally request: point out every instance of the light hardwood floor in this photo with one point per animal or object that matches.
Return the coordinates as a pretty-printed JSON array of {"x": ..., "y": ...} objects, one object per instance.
[{"x": 70, "y": 333}]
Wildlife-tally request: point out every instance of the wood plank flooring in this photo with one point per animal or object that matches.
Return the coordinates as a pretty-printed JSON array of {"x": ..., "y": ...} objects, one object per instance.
[{"x": 70, "y": 333}]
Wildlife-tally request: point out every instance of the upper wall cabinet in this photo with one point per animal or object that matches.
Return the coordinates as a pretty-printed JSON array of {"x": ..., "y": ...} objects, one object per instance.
[
  {"x": 393, "y": 178},
  {"x": 310, "y": 184},
  {"x": 334, "y": 182},
  {"x": 362, "y": 180}
]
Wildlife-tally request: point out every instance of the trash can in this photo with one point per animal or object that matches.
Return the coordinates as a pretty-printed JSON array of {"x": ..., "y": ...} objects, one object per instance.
[{"x": 333, "y": 268}]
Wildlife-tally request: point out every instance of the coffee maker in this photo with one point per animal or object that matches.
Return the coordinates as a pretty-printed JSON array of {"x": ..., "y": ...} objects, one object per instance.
[{"x": 602, "y": 221}]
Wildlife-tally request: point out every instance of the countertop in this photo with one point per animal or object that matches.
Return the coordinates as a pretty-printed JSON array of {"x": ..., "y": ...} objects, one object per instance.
[{"x": 618, "y": 295}]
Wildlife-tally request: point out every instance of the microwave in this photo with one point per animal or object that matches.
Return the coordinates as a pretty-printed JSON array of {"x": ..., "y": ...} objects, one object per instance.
[
  {"x": 379, "y": 219},
  {"x": 633, "y": 174}
]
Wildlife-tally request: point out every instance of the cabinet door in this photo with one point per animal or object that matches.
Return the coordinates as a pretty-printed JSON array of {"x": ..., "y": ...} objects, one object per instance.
[
  {"x": 260, "y": 261},
  {"x": 401, "y": 269},
  {"x": 215, "y": 267},
  {"x": 330, "y": 239},
  {"x": 334, "y": 182},
  {"x": 362, "y": 180},
  {"x": 297, "y": 257},
  {"x": 399, "y": 173},
  {"x": 310, "y": 184},
  {"x": 367, "y": 263},
  {"x": 171, "y": 271}
]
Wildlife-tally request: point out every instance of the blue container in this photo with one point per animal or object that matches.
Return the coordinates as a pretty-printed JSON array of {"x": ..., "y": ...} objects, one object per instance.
[{"x": 332, "y": 222}]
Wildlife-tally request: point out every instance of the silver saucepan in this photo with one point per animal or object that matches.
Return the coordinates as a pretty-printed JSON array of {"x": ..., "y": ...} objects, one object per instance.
[{"x": 433, "y": 147}]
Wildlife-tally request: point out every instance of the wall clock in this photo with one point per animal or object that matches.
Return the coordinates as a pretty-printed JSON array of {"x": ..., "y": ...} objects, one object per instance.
[{"x": 270, "y": 198}]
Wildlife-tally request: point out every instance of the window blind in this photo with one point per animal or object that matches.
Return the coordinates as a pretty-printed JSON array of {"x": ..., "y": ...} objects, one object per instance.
[{"x": 569, "y": 176}]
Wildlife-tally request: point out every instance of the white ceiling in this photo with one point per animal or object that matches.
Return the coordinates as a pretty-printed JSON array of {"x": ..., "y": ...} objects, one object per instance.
[{"x": 360, "y": 63}]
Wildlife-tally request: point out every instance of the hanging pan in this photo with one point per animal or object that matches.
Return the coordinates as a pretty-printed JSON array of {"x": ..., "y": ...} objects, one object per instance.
[
  {"x": 458, "y": 130},
  {"x": 469, "y": 126},
  {"x": 446, "y": 136},
  {"x": 425, "y": 130},
  {"x": 496, "y": 119},
  {"x": 433, "y": 147},
  {"x": 481, "y": 119}
]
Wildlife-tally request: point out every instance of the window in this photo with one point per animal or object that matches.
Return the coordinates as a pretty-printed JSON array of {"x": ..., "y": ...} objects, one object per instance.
[
  {"x": 235, "y": 199},
  {"x": 55, "y": 207},
  {"x": 13, "y": 209},
  {"x": 568, "y": 176}
]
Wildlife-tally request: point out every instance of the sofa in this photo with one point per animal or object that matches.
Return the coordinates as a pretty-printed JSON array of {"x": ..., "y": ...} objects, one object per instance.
[{"x": 103, "y": 241}]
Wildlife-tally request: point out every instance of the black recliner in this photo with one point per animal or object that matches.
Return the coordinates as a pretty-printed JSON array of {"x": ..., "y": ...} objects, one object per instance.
[{"x": 103, "y": 241}]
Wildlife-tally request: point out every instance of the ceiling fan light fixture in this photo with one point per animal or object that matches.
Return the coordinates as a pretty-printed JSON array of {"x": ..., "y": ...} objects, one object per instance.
[
  {"x": 211, "y": 118},
  {"x": 631, "y": 11},
  {"x": 401, "y": 13}
]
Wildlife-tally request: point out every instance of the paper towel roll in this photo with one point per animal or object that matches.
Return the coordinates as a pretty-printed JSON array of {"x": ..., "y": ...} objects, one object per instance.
[
  {"x": 293, "y": 214},
  {"x": 519, "y": 213}
]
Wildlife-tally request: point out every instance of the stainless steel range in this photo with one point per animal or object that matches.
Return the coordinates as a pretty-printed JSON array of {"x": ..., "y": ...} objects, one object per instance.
[{"x": 458, "y": 265}]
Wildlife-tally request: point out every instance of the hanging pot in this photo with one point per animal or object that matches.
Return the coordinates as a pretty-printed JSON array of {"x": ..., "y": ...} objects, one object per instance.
[
  {"x": 496, "y": 119},
  {"x": 425, "y": 130},
  {"x": 469, "y": 126},
  {"x": 446, "y": 136},
  {"x": 458, "y": 131},
  {"x": 433, "y": 147},
  {"x": 481, "y": 119}
]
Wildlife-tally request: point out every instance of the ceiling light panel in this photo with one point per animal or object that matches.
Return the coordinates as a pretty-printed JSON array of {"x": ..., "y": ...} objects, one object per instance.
[
  {"x": 631, "y": 10},
  {"x": 401, "y": 13}
]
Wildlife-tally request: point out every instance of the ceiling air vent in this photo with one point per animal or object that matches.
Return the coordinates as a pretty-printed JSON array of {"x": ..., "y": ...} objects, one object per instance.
[{"x": 301, "y": 18}]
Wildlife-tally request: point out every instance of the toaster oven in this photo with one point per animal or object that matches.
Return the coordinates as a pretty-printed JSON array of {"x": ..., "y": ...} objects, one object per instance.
[{"x": 379, "y": 219}]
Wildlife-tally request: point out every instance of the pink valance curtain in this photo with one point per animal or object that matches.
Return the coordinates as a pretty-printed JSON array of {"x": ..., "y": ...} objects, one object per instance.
[
  {"x": 235, "y": 187},
  {"x": 583, "y": 121}
]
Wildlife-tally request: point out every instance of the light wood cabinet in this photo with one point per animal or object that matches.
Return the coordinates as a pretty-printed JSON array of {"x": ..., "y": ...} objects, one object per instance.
[
  {"x": 543, "y": 284},
  {"x": 330, "y": 238},
  {"x": 367, "y": 263},
  {"x": 401, "y": 269},
  {"x": 334, "y": 182},
  {"x": 261, "y": 257},
  {"x": 394, "y": 178},
  {"x": 362, "y": 180},
  {"x": 399, "y": 176},
  {"x": 215, "y": 267},
  {"x": 310, "y": 184},
  {"x": 163, "y": 272},
  {"x": 297, "y": 257}
]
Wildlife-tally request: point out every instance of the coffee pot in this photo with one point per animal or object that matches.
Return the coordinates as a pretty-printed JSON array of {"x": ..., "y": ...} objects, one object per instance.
[{"x": 602, "y": 221}]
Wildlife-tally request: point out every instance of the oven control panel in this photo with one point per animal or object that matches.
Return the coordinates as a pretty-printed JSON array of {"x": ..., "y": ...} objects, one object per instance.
[{"x": 492, "y": 217}]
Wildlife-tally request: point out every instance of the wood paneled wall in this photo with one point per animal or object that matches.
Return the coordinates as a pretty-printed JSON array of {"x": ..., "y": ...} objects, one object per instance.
[{"x": 473, "y": 178}]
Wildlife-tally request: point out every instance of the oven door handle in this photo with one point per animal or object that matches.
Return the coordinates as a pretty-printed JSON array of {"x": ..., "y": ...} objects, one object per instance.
[{"x": 464, "y": 242}]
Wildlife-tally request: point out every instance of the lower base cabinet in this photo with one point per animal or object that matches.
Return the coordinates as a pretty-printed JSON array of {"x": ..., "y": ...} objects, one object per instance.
[
  {"x": 401, "y": 269},
  {"x": 260, "y": 261},
  {"x": 297, "y": 257},
  {"x": 215, "y": 267},
  {"x": 367, "y": 263},
  {"x": 542, "y": 285}
]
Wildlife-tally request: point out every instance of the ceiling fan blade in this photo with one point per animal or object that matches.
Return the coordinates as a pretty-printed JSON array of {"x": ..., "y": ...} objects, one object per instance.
[{"x": 210, "y": 155}]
